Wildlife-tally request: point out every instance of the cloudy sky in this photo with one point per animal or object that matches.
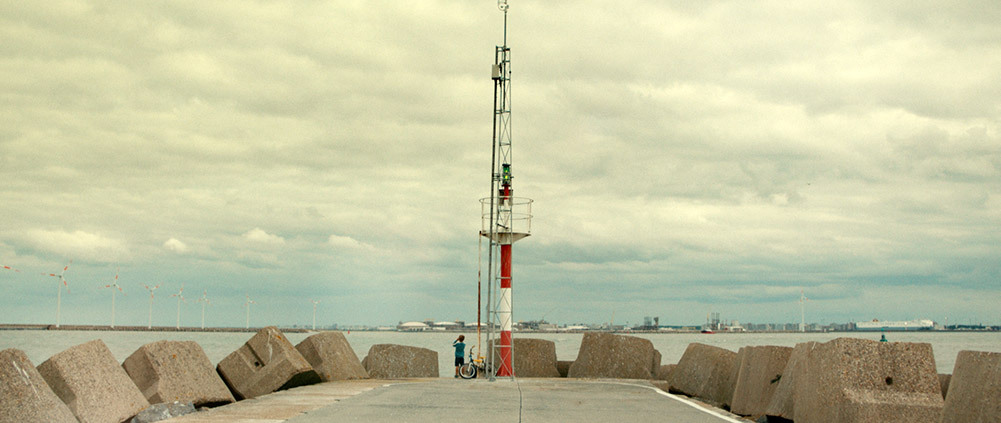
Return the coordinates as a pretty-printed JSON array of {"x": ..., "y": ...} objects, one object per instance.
[{"x": 683, "y": 158}]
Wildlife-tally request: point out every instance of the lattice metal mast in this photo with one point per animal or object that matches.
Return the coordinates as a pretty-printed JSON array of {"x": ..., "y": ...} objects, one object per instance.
[{"x": 506, "y": 218}]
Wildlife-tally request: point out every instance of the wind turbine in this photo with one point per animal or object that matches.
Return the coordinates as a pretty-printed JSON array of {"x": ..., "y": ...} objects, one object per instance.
[
  {"x": 180, "y": 297},
  {"x": 114, "y": 284},
  {"x": 315, "y": 302},
  {"x": 204, "y": 300},
  {"x": 247, "y": 304},
  {"x": 9, "y": 268},
  {"x": 59, "y": 295},
  {"x": 802, "y": 311},
  {"x": 150, "y": 324}
]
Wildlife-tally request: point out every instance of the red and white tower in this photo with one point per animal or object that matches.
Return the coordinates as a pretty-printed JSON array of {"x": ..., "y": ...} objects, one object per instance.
[{"x": 505, "y": 218}]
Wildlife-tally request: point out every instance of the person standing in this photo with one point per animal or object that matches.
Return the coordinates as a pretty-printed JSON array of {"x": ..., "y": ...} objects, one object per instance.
[{"x": 460, "y": 351}]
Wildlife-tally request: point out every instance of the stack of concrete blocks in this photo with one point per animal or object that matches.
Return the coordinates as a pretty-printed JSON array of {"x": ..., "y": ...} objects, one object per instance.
[
  {"x": 266, "y": 363},
  {"x": 606, "y": 355},
  {"x": 532, "y": 357},
  {"x": 331, "y": 356},
  {"x": 563, "y": 366},
  {"x": 857, "y": 380},
  {"x": 25, "y": 396},
  {"x": 89, "y": 380},
  {"x": 390, "y": 361},
  {"x": 975, "y": 388},
  {"x": 759, "y": 370},
  {"x": 782, "y": 404},
  {"x": 169, "y": 371},
  {"x": 706, "y": 372}
]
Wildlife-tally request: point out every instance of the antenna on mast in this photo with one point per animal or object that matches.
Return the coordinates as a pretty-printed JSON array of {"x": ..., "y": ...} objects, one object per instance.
[{"x": 503, "y": 6}]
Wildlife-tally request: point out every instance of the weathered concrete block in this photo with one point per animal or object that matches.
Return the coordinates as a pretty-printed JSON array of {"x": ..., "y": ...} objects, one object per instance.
[
  {"x": 782, "y": 404},
  {"x": 25, "y": 397},
  {"x": 331, "y": 356},
  {"x": 266, "y": 363},
  {"x": 664, "y": 372},
  {"x": 389, "y": 361},
  {"x": 606, "y": 355},
  {"x": 943, "y": 381},
  {"x": 89, "y": 380},
  {"x": 157, "y": 412},
  {"x": 974, "y": 389},
  {"x": 706, "y": 372},
  {"x": 169, "y": 371},
  {"x": 532, "y": 357},
  {"x": 758, "y": 374},
  {"x": 859, "y": 380},
  {"x": 563, "y": 366}
]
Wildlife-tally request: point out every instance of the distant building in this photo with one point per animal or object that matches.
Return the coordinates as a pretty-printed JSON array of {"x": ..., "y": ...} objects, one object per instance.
[
  {"x": 876, "y": 325},
  {"x": 446, "y": 325},
  {"x": 413, "y": 327}
]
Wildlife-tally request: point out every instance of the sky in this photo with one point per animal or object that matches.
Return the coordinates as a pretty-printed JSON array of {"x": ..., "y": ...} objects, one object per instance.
[{"x": 684, "y": 158}]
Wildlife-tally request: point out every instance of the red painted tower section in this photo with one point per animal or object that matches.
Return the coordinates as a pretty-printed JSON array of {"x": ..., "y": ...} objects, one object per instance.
[{"x": 505, "y": 368}]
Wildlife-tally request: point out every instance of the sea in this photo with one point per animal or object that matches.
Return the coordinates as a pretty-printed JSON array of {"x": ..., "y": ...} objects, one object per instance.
[{"x": 39, "y": 345}]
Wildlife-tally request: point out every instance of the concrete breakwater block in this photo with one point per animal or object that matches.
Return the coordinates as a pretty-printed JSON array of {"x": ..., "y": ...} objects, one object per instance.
[
  {"x": 89, "y": 380},
  {"x": 606, "y": 355},
  {"x": 25, "y": 396},
  {"x": 859, "y": 380},
  {"x": 662, "y": 378},
  {"x": 974, "y": 389},
  {"x": 782, "y": 404},
  {"x": 759, "y": 370},
  {"x": 266, "y": 363},
  {"x": 390, "y": 361},
  {"x": 331, "y": 356},
  {"x": 532, "y": 357},
  {"x": 943, "y": 381},
  {"x": 664, "y": 372},
  {"x": 169, "y": 371},
  {"x": 563, "y": 366},
  {"x": 706, "y": 372}
]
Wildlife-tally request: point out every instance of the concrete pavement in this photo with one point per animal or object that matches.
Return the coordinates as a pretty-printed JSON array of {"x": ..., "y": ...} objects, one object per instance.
[{"x": 456, "y": 400}]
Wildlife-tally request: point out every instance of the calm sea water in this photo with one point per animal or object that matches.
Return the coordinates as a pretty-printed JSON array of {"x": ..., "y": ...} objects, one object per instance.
[{"x": 39, "y": 345}]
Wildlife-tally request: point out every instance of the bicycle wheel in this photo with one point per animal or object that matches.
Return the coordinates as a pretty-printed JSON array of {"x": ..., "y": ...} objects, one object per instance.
[{"x": 467, "y": 371}]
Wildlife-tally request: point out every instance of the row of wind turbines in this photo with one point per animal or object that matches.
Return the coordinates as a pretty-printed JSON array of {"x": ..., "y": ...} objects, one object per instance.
[{"x": 204, "y": 300}]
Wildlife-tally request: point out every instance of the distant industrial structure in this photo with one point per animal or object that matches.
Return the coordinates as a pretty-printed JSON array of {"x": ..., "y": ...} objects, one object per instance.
[{"x": 714, "y": 324}]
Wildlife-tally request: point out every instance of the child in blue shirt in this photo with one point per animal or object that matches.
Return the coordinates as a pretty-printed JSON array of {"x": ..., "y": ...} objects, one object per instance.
[{"x": 460, "y": 349}]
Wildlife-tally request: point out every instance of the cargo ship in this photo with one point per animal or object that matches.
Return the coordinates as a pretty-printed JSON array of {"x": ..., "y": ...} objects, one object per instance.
[{"x": 876, "y": 325}]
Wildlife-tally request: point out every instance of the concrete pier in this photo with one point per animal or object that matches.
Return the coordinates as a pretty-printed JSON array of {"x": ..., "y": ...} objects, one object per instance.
[{"x": 457, "y": 400}]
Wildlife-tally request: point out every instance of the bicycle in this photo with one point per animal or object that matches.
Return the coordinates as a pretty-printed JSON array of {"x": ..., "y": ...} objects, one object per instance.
[{"x": 473, "y": 366}]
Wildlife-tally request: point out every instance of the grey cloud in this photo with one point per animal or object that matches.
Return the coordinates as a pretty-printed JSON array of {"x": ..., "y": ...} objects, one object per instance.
[{"x": 720, "y": 153}]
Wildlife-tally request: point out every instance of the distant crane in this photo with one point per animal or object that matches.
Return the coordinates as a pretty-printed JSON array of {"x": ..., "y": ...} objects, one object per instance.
[
  {"x": 180, "y": 299},
  {"x": 205, "y": 301},
  {"x": 315, "y": 302},
  {"x": 59, "y": 294},
  {"x": 114, "y": 285},
  {"x": 247, "y": 305},
  {"x": 802, "y": 311},
  {"x": 149, "y": 324}
]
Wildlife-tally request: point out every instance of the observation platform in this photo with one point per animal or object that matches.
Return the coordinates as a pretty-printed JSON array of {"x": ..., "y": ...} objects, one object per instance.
[{"x": 458, "y": 400}]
